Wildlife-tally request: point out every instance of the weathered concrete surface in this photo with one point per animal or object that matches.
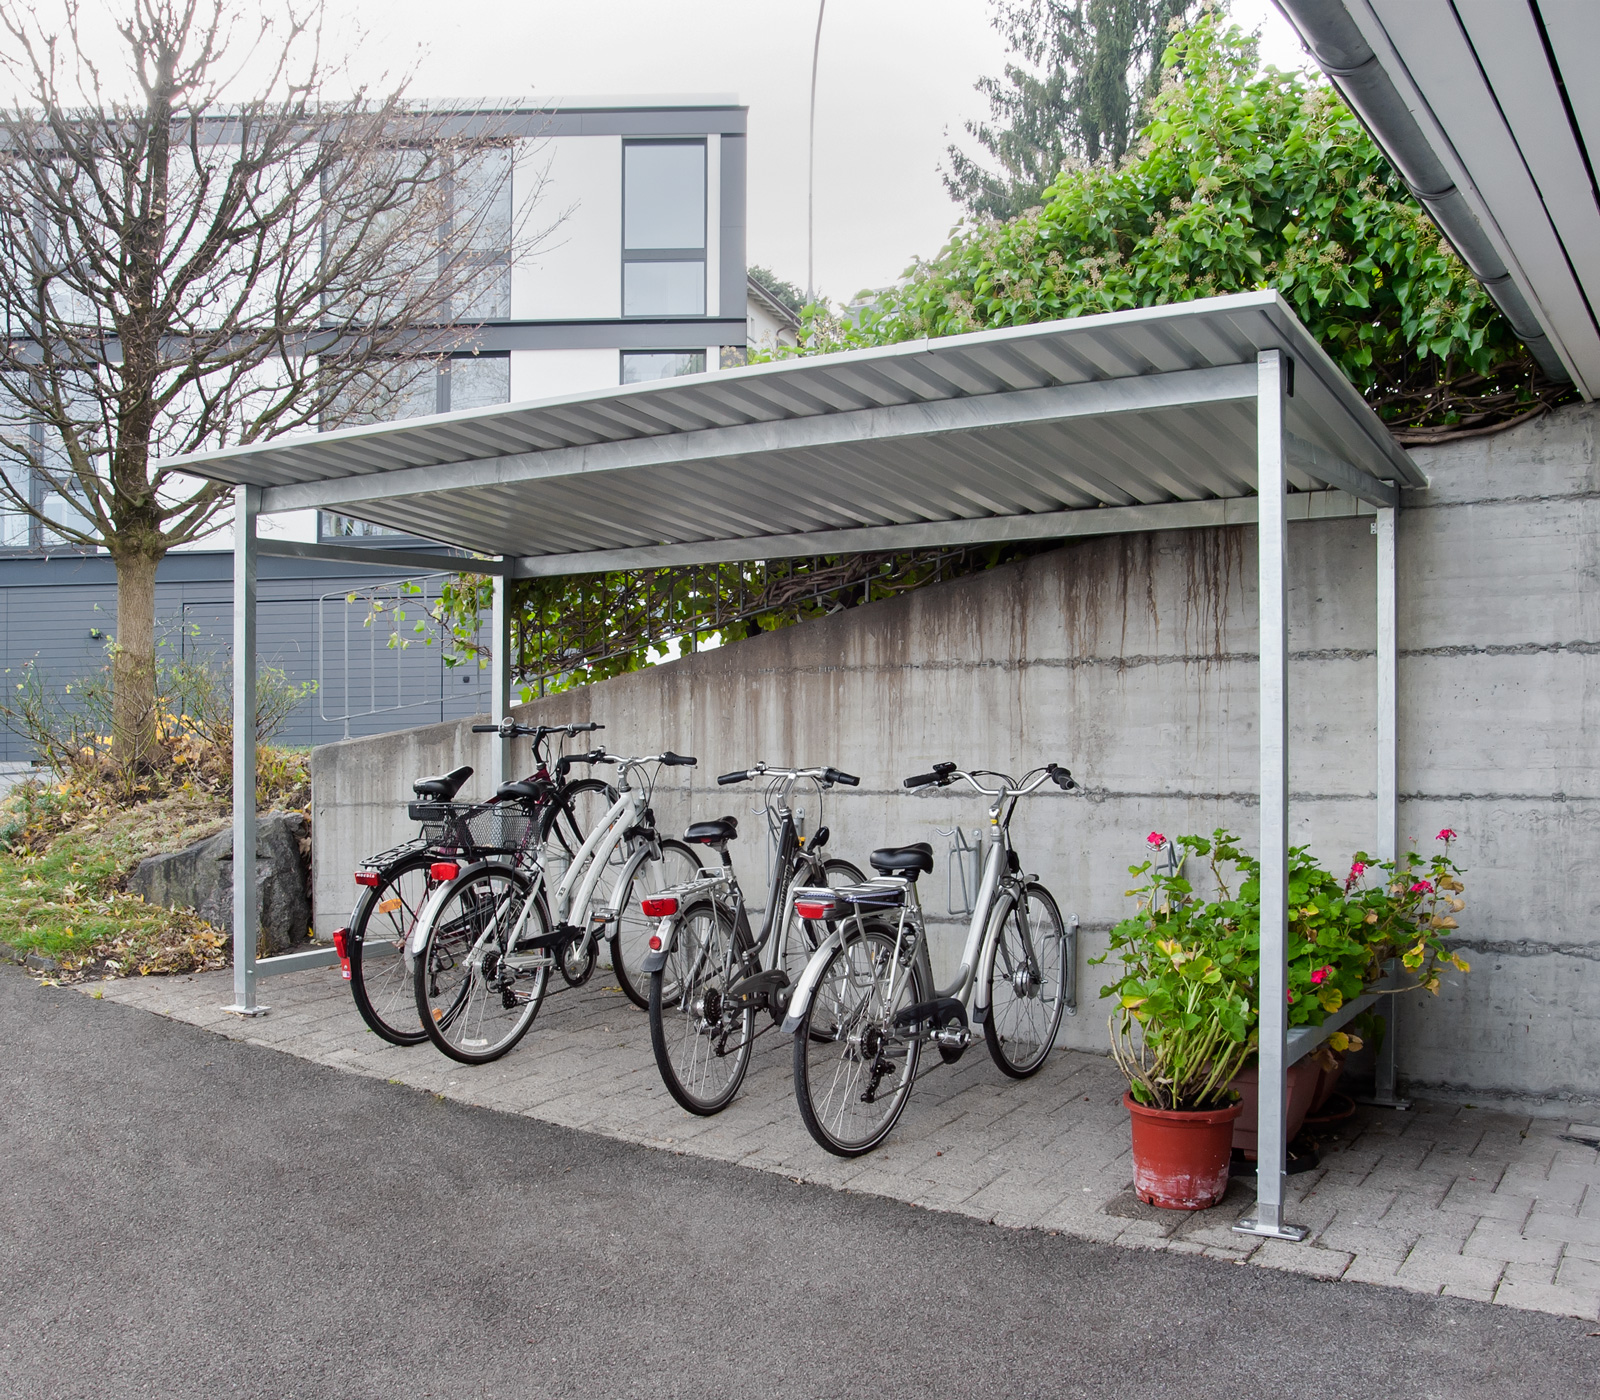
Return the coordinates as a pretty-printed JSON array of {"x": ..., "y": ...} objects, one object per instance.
[
  {"x": 200, "y": 877},
  {"x": 1133, "y": 661}
]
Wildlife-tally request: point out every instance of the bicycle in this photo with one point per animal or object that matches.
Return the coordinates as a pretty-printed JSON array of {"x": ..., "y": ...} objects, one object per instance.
[
  {"x": 395, "y": 883},
  {"x": 709, "y": 972},
  {"x": 491, "y": 932},
  {"x": 865, "y": 1005}
]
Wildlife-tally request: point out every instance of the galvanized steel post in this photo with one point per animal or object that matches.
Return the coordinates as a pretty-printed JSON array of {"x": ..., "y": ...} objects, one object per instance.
[
  {"x": 500, "y": 671},
  {"x": 1272, "y": 544},
  {"x": 246, "y": 507}
]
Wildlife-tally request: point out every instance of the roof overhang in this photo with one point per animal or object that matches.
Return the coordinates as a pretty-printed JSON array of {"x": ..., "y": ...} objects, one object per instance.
[
  {"x": 1490, "y": 111},
  {"x": 1037, "y": 431}
]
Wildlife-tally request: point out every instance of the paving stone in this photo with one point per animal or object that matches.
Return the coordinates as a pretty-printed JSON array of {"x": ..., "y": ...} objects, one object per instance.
[
  {"x": 1371, "y": 1268},
  {"x": 1494, "y": 1239},
  {"x": 1549, "y": 1298},
  {"x": 1368, "y": 1241},
  {"x": 1302, "y": 1259},
  {"x": 1428, "y": 1271},
  {"x": 1567, "y": 1228},
  {"x": 1580, "y": 1273}
]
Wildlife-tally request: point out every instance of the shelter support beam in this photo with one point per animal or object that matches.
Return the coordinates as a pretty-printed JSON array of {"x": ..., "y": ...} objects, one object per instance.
[
  {"x": 381, "y": 558},
  {"x": 1387, "y": 834},
  {"x": 246, "y": 509},
  {"x": 500, "y": 671},
  {"x": 1272, "y": 536},
  {"x": 946, "y": 534}
]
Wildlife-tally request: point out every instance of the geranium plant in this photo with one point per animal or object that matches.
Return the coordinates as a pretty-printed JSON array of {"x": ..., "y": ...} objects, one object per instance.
[{"x": 1188, "y": 961}]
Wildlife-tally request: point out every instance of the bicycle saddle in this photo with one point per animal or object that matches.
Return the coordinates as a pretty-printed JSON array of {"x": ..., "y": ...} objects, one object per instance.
[
  {"x": 904, "y": 861},
  {"x": 444, "y": 786},
  {"x": 709, "y": 833},
  {"x": 528, "y": 792}
]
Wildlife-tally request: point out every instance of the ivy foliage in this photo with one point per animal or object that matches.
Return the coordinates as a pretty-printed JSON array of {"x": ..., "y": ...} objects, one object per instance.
[{"x": 1242, "y": 179}]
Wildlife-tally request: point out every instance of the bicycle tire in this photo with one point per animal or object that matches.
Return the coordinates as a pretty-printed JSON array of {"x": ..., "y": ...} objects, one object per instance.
[
  {"x": 460, "y": 973},
  {"x": 691, "y": 1047},
  {"x": 843, "y": 1003},
  {"x": 381, "y": 984},
  {"x": 1026, "y": 1003},
  {"x": 630, "y": 943}
]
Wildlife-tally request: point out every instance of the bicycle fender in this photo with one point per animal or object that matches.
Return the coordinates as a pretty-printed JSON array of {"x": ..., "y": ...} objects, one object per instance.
[
  {"x": 430, "y": 907},
  {"x": 806, "y": 987},
  {"x": 667, "y": 932}
]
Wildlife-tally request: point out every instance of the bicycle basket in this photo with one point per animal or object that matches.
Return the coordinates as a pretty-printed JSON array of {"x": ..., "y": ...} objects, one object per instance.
[{"x": 494, "y": 828}]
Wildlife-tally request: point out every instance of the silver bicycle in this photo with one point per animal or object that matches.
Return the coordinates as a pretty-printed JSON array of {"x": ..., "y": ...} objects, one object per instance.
[
  {"x": 491, "y": 932},
  {"x": 865, "y": 1005}
]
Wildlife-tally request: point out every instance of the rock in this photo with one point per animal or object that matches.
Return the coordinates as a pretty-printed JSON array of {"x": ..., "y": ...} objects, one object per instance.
[
  {"x": 200, "y": 877},
  {"x": 40, "y": 963}
]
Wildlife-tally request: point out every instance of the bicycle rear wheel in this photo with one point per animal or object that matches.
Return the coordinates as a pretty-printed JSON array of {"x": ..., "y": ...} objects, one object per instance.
[
  {"x": 630, "y": 942},
  {"x": 853, "y": 1071},
  {"x": 475, "y": 1001},
  {"x": 380, "y": 976},
  {"x": 702, "y": 1047},
  {"x": 1029, "y": 984}
]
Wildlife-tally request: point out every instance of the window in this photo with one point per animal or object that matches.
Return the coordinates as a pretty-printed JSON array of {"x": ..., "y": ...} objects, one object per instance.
[
  {"x": 411, "y": 391},
  {"x": 641, "y": 366},
  {"x": 664, "y": 228},
  {"x": 482, "y": 201}
]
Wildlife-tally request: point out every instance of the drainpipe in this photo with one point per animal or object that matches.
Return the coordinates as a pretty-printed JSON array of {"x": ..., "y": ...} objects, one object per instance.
[{"x": 1345, "y": 56}]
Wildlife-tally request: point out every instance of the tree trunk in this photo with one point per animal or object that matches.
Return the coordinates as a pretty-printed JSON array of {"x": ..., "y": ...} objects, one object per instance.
[{"x": 133, "y": 665}]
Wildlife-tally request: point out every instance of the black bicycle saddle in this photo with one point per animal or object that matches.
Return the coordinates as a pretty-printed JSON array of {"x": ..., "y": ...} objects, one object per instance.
[
  {"x": 444, "y": 786},
  {"x": 709, "y": 833},
  {"x": 904, "y": 861}
]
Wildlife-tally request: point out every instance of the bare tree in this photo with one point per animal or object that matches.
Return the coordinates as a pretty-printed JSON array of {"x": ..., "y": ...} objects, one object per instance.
[{"x": 184, "y": 269}]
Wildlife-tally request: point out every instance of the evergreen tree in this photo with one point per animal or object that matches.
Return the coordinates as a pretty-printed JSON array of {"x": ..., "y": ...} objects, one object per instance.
[{"x": 1087, "y": 69}]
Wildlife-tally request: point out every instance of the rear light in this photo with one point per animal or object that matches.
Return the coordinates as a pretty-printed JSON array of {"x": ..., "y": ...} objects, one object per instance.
[
  {"x": 370, "y": 878},
  {"x": 342, "y": 949},
  {"x": 655, "y": 942},
  {"x": 812, "y": 909},
  {"x": 444, "y": 870},
  {"x": 659, "y": 906}
]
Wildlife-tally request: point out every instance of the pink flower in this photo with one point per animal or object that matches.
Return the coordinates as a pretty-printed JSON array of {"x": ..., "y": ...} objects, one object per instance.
[
  {"x": 1422, "y": 887},
  {"x": 1155, "y": 838},
  {"x": 1357, "y": 870},
  {"x": 1290, "y": 996},
  {"x": 1321, "y": 975},
  {"x": 1446, "y": 835}
]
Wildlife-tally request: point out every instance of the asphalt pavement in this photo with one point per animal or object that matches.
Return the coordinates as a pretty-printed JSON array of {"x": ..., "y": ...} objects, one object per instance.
[{"x": 186, "y": 1215}]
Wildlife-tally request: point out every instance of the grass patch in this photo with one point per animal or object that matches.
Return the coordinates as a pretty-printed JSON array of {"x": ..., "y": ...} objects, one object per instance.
[{"x": 65, "y": 857}]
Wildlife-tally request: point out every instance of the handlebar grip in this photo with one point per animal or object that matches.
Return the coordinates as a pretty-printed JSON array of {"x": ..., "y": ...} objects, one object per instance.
[
  {"x": 836, "y": 775},
  {"x": 486, "y": 729},
  {"x": 593, "y": 756},
  {"x": 1062, "y": 778},
  {"x": 586, "y": 727},
  {"x": 678, "y": 760},
  {"x": 738, "y": 777},
  {"x": 921, "y": 780}
]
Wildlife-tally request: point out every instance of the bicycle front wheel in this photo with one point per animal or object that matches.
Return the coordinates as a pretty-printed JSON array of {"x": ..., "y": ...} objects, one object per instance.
[
  {"x": 475, "y": 993},
  {"x": 702, "y": 1045},
  {"x": 630, "y": 941},
  {"x": 853, "y": 1070},
  {"x": 1029, "y": 984},
  {"x": 380, "y": 978}
]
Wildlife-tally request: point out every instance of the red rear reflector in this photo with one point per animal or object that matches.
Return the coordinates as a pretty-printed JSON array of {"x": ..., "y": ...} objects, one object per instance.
[
  {"x": 444, "y": 870},
  {"x": 342, "y": 950},
  {"x": 811, "y": 909},
  {"x": 368, "y": 877},
  {"x": 659, "y": 906},
  {"x": 655, "y": 942}
]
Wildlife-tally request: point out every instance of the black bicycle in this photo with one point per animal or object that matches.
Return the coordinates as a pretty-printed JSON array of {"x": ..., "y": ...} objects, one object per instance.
[
  {"x": 395, "y": 883},
  {"x": 710, "y": 973}
]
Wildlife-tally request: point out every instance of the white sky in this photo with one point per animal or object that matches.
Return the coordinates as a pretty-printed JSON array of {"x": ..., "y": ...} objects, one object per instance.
[{"x": 894, "y": 86}]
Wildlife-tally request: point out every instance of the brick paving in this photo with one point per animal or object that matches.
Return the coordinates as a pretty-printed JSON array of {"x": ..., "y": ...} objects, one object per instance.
[{"x": 1442, "y": 1199}]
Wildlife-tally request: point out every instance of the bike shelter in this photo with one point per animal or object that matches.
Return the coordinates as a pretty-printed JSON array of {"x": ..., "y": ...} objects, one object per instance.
[{"x": 1213, "y": 412}]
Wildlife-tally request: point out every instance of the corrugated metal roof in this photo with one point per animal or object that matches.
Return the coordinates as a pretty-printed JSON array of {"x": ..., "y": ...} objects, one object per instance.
[{"x": 1140, "y": 407}]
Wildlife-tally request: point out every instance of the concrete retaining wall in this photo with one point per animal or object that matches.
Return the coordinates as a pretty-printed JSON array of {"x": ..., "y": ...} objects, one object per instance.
[{"x": 1133, "y": 661}]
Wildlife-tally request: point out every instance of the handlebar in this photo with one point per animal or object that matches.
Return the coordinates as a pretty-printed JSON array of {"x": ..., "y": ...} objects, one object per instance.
[
  {"x": 944, "y": 774},
  {"x": 508, "y": 728},
  {"x": 826, "y": 776},
  {"x": 678, "y": 760}
]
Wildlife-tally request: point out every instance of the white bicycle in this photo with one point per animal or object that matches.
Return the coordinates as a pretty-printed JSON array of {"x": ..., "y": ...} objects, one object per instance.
[
  {"x": 865, "y": 1005},
  {"x": 491, "y": 933}
]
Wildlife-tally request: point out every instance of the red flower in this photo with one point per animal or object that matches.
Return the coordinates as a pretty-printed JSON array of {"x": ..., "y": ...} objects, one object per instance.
[
  {"x": 1155, "y": 838},
  {"x": 1321, "y": 975},
  {"x": 1422, "y": 887},
  {"x": 1357, "y": 870},
  {"x": 1446, "y": 835}
]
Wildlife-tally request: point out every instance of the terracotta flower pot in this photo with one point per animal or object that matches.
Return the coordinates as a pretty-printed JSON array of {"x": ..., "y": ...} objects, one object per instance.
[
  {"x": 1304, "y": 1075},
  {"x": 1180, "y": 1160}
]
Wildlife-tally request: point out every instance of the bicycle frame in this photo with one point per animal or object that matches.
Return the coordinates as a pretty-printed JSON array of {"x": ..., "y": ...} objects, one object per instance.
[{"x": 998, "y": 890}]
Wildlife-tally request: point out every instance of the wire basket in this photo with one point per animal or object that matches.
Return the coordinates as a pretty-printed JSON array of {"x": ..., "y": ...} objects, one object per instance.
[{"x": 497, "y": 828}]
